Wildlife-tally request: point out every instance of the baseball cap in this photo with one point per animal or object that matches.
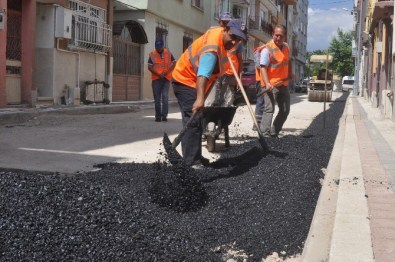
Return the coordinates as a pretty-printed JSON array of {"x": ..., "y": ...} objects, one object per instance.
[
  {"x": 238, "y": 28},
  {"x": 225, "y": 17},
  {"x": 159, "y": 43}
]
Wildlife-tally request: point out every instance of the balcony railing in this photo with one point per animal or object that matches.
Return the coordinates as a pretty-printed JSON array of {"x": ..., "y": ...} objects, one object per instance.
[
  {"x": 90, "y": 32},
  {"x": 256, "y": 23}
]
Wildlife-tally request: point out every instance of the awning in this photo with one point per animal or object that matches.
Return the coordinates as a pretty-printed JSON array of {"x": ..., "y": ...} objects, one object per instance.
[
  {"x": 321, "y": 58},
  {"x": 136, "y": 31},
  {"x": 383, "y": 9}
]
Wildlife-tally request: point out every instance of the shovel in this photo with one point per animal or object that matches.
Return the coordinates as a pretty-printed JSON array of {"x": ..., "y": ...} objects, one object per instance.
[
  {"x": 261, "y": 138},
  {"x": 177, "y": 140}
]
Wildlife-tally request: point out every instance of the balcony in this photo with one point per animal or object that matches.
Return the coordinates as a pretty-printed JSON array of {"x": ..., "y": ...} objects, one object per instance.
[
  {"x": 256, "y": 23},
  {"x": 259, "y": 29},
  {"x": 383, "y": 9},
  {"x": 289, "y": 2},
  {"x": 294, "y": 52}
]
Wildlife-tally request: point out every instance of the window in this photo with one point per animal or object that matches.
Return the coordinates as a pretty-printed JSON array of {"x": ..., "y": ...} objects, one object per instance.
[
  {"x": 237, "y": 12},
  {"x": 161, "y": 31},
  {"x": 197, "y": 3},
  {"x": 218, "y": 9},
  {"x": 89, "y": 29},
  {"x": 186, "y": 40}
]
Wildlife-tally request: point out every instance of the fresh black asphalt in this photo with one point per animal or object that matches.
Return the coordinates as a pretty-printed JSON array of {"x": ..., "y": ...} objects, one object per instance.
[{"x": 248, "y": 201}]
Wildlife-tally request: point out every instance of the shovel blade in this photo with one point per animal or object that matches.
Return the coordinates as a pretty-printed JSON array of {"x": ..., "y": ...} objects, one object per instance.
[{"x": 172, "y": 154}]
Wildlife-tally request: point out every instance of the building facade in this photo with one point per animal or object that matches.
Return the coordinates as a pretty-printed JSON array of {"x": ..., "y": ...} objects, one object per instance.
[
  {"x": 64, "y": 52},
  {"x": 374, "y": 54},
  {"x": 53, "y": 49}
]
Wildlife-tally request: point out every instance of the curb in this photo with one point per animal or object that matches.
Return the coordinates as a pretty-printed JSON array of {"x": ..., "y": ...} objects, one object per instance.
[
  {"x": 318, "y": 241},
  {"x": 23, "y": 115},
  {"x": 20, "y": 115}
]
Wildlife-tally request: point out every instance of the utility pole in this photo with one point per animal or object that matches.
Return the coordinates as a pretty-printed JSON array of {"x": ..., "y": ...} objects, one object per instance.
[{"x": 358, "y": 33}]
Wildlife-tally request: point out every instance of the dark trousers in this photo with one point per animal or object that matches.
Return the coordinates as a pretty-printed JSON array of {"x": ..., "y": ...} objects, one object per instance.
[
  {"x": 160, "y": 89},
  {"x": 191, "y": 142},
  {"x": 260, "y": 103},
  {"x": 279, "y": 95}
]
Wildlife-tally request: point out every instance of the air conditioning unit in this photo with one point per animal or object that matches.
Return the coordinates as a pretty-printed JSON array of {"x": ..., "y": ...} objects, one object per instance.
[
  {"x": 379, "y": 47},
  {"x": 63, "y": 22}
]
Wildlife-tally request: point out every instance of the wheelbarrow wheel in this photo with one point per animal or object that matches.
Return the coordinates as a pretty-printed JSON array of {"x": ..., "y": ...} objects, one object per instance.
[{"x": 210, "y": 143}]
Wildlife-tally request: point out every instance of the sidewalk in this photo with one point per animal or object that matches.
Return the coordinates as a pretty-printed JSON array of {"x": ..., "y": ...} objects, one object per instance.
[
  {"x": 355, "y": 215},
  {"x": 12, "y": 115}
]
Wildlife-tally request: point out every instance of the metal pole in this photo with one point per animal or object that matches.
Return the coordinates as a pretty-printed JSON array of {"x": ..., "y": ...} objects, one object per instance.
[
  {"x": 358, "y": 17},
  {"x": 325, "y": 92}
]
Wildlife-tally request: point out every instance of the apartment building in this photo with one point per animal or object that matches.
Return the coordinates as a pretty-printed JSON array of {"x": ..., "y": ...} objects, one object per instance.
[
  {"x": 374, "y": 53},
  {"x": 299, "y": 41},
  {"x": 63, "y": 52},
  {"x": 53, "y": 49}
]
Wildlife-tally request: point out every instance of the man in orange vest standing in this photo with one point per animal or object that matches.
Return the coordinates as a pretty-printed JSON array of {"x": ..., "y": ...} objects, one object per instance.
[
  {"x": 193, "y": 77},
  {"x": 275, "y": 72},
  {"x": 161, "y": 63}
]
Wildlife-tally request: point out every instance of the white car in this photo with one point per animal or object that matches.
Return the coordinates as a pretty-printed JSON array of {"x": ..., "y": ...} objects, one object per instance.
[{"x": 347, "y": 83}]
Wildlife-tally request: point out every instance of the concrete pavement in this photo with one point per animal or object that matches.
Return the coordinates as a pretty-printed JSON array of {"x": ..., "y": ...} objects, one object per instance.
[{"x": 355, "y": 215}]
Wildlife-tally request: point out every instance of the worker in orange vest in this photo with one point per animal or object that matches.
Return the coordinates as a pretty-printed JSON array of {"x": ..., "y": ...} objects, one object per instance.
[
  {"x": 193, "y": 77},
  {"x": 161, "y": 63},
  {"x": 224, "y": 88},
  {"x": 275, "y": 72}
]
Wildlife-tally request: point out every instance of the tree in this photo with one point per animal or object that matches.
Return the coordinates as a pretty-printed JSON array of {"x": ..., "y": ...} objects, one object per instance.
[
  {"x": 341, "y": 50},
  {"x": 313, "y": 68}
]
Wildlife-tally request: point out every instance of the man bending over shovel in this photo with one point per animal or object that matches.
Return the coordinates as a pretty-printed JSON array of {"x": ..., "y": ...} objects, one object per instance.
[{"x": 193, "y": 76}]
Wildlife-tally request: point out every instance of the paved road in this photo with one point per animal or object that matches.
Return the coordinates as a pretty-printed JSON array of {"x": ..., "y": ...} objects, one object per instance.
[{"x": 69, "y": 143}]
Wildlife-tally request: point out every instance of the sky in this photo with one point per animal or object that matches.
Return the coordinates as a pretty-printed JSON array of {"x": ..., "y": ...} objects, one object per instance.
[{"x": 324, "y": 18}]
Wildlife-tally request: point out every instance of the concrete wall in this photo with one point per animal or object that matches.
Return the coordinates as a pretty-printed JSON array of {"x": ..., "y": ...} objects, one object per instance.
[
  {"x": 44, "y": 62},
  {"x": 56, "y": 67}
]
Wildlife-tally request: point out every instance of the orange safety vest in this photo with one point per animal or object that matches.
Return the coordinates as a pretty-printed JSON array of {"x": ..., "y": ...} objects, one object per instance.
[
  {"x": 161, "y": 65},
  {"x": 233, "y": 55},
  {"x": 185, "y": 71},
  {"x": 279, "y": 63}
]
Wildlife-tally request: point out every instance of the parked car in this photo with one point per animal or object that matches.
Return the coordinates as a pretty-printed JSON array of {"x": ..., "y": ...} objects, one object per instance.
[
  {"x": 302, "y": 86},
  {"x": 249, "y": 83},
  {"x": 347, "y": 83}
]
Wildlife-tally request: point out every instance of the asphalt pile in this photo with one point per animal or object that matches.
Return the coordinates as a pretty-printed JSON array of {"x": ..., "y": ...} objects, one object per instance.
[{"x": 251, "y": 203}]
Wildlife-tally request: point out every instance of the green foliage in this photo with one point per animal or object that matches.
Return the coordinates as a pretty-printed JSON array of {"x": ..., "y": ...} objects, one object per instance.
[
  {"x": 341, "y": 50},
  {"x": 313, "y": 68}
]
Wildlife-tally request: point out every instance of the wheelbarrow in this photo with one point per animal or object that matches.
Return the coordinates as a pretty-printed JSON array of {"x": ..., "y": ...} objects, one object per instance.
[{"x": 215, "y": 120}]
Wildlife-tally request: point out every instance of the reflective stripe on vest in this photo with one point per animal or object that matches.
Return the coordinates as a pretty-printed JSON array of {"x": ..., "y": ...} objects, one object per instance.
[
  {"x": 279, "y": 61},
  {"x": 233, "y": 54},
  {"x": 161, "y": 65}
]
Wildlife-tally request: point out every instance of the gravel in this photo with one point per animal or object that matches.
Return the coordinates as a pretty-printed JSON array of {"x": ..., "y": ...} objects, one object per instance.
[{"x": 243, "y": 206}]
